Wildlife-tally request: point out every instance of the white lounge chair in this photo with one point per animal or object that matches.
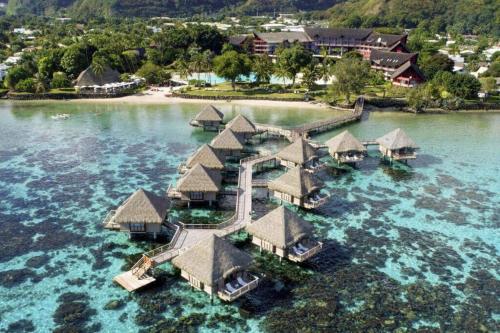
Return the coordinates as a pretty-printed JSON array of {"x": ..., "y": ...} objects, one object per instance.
[
  {"x": 302, "y": 247},
  {"x": 297, "y": 250},
  {"x": 241, "y": 281},
  {"x": 230, "y": 288}
]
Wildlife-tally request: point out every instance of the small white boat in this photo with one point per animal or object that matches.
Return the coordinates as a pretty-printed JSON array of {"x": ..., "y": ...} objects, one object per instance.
[{"x": 60, "y": 116}]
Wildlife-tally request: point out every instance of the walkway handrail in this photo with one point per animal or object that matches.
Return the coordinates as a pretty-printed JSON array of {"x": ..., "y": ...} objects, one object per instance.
[
  {"x": 109, "y": 216},
  {"x": 166, "y": 247}
]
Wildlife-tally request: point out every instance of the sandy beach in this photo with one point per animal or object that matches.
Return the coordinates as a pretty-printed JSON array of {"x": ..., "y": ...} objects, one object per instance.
[{"x": 160, "y": 96}]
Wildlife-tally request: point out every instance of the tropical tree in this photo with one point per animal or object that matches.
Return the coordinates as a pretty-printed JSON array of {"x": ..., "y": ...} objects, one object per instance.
[
  {"x": 59, "y": 80},
  {"x": 262, "y": 68},
  {"x": 182, "y": 66},
  {"x": 153, "y": 74},
  {"x": 351, "y": 77},
  {"x": 291, "y": 60},
  {"x": 310, "y": 75},
  {"x": 230, "y": 65},
  {"x": 15, "y": 75}
]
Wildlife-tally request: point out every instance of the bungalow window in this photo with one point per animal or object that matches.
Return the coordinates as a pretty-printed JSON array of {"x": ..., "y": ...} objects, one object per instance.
[
  {"x": 196, "y": 196},
  {"x": 137, "y": 227}
]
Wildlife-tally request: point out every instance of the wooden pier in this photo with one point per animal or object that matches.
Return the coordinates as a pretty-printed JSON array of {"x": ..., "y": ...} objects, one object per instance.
[
  {"x": 187, "y": 235},
  {"x": 293, "y": 133}
]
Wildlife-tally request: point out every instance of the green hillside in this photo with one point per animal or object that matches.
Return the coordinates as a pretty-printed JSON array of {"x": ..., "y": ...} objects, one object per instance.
[{"x": 462, "y": 16}]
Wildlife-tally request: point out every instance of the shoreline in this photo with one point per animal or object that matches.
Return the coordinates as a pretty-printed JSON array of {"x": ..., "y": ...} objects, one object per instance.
[{"x": 161, "y": 97}]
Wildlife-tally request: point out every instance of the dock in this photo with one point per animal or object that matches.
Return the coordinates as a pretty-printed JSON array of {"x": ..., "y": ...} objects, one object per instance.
[{"x": 187, "y": 235}]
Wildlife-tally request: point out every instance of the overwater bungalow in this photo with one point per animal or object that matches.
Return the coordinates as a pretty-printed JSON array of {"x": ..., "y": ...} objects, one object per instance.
[
  {"x": 397, "y": 146},
  {"x": 242, "y": 127},
  {"x": 299, "y": 153},
  {"x": 210, "y": 119},
  {"x": 198, "y": 184},
  {"x": 228, "y": 144},
  {"x": 298, "y": 187},
  {"x": 345, "y": 148},
  {"x": 285, "y": 234},
  {"x": 207, "y": 157},
  {"x": 215, "y": 266},
  {"x": 142, "y": 213}
]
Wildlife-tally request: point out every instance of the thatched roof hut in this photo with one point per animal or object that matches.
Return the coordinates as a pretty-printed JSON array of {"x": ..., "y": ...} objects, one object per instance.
[
  {"x": 280, "y": 227},
  {"x": 396, "y": 139},
  {"x": 207, "y": 157},
  {"x": 200, "y": 179},
  {"x": 209, "y": 114},
  {"x": 299, "y": 152},
  {"x": 296, "y": 182},
  {"x": 227, "y": 140},
  {"x": 142, "y": 207},
  {"x": 212, "y": 259},
  {"x": 241, "y": 125},
  {"x": 89, "y": 78},
  {"x": 343, "y": 143}
]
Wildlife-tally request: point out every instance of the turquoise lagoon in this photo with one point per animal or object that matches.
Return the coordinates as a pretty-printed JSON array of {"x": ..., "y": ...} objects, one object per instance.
[{"x": 414, "y": 247}]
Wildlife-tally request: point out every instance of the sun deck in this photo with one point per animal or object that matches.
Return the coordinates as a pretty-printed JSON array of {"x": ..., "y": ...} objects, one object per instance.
[
  {"x": 132, "y": 282},
  {"x": 301, "y": 252},
  {"x": 238, "y": 287}
]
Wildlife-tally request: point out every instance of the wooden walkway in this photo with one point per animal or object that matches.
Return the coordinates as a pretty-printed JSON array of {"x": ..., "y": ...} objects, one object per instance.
[
  {"x": 293, "y": 133},
  {"x": 190, "y": 234}
]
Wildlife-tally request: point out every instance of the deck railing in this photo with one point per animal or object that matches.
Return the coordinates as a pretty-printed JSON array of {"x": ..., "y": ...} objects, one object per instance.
[
  {"x": 311, "y": 204},
  {"x": 406, "y": 156},
  {"x": 166, "y": 247},
  {"x": 108, "y": 221},
  {"x": 306, "y": 255},
  {"x": 231, "y": 296}
]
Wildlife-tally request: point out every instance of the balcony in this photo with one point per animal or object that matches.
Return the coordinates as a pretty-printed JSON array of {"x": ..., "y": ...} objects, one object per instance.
[
  {"x": 315, "y": 201},
  {"x": 404, "y": 156},
  {"x": 238, "y": 287},
  {"x": 304, "y": 250},
  {"x": 109, "y": 223},
  {"x": 350, "y": 159}
]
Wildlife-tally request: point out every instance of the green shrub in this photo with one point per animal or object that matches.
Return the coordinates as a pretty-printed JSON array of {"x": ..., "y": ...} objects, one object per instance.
[{"x": 26, "y": 85}]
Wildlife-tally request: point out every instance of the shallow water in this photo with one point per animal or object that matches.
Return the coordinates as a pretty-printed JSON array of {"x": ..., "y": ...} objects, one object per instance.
[{"x": 432, "y": 226}]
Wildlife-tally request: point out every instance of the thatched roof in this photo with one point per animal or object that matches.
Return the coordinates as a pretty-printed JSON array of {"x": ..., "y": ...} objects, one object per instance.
[
  {"x": 296, "y": 182},
  {"x": 241, "y": 125},
  {"x": 207, "y": 157},
  {"x": 280, "y": 227},
  {"x": 344, "y": 142},
  {"x": 227, "y": 140},
  {"x": 209, "y": 113},
  {"x": 200, "y": 179},
  {"x": 212, "y": 259},
  {"x": 396, "y": 139},
  {"x": 298, "y": 152},
  {"x": 142, "y": 207},
  {"x": 89, "y": 78}
]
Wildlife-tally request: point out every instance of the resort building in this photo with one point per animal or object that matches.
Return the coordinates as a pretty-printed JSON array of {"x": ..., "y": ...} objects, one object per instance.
[
  {"x": 297, "y": 187},
  {"x": 242, "y": 127},
  {"x": 228, "y": 144},
  {"x": 397, "y": 146},
  {"x": 285, "y": 234},
  {"x": 142, "y": 213},
  {"x": 268, "y": 42},
  {"x": 299, "y": 153},
  {"x": 198, "y": 184},
  {"x": 215, "y": 266},
  {"x": 207, "y": 157},
  {"x": 399, "y": 68},
  {"x": 345, "y": 148},
  {"x": 210, "y": 119},
  {"x": 107, "y": 82}
]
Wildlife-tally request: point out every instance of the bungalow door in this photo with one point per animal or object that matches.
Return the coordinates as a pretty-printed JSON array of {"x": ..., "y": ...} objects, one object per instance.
[{"x": 287, "y": 197}]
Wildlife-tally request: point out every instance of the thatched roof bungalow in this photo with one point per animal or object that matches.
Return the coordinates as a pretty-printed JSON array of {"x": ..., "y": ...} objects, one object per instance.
[
  {"x": 210, "y": 118},
  {"x": 242, "y": 127},
  {"x": 397, "y": 146},
  {"x": 207, "y": 157},
  {"x": 285, "y": 234},
  {"x": 142, "y": 213},
  {"x": 228, "y": 144},
  {"x": 345, "y": 148},
  {"x": 199, "y": 184},
  {"x": 89, "y": 78},
  {"x": 299, "y": 153},
  {"x": 215, "y": 266},
  {"x": 297, "y": 187}
]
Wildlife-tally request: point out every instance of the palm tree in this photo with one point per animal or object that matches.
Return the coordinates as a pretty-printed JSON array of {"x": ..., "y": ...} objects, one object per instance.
[
  {"x": 207, "y": 63},
  {"x": 98, "y": 65},
  {"x": 183, "y": 68}
]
